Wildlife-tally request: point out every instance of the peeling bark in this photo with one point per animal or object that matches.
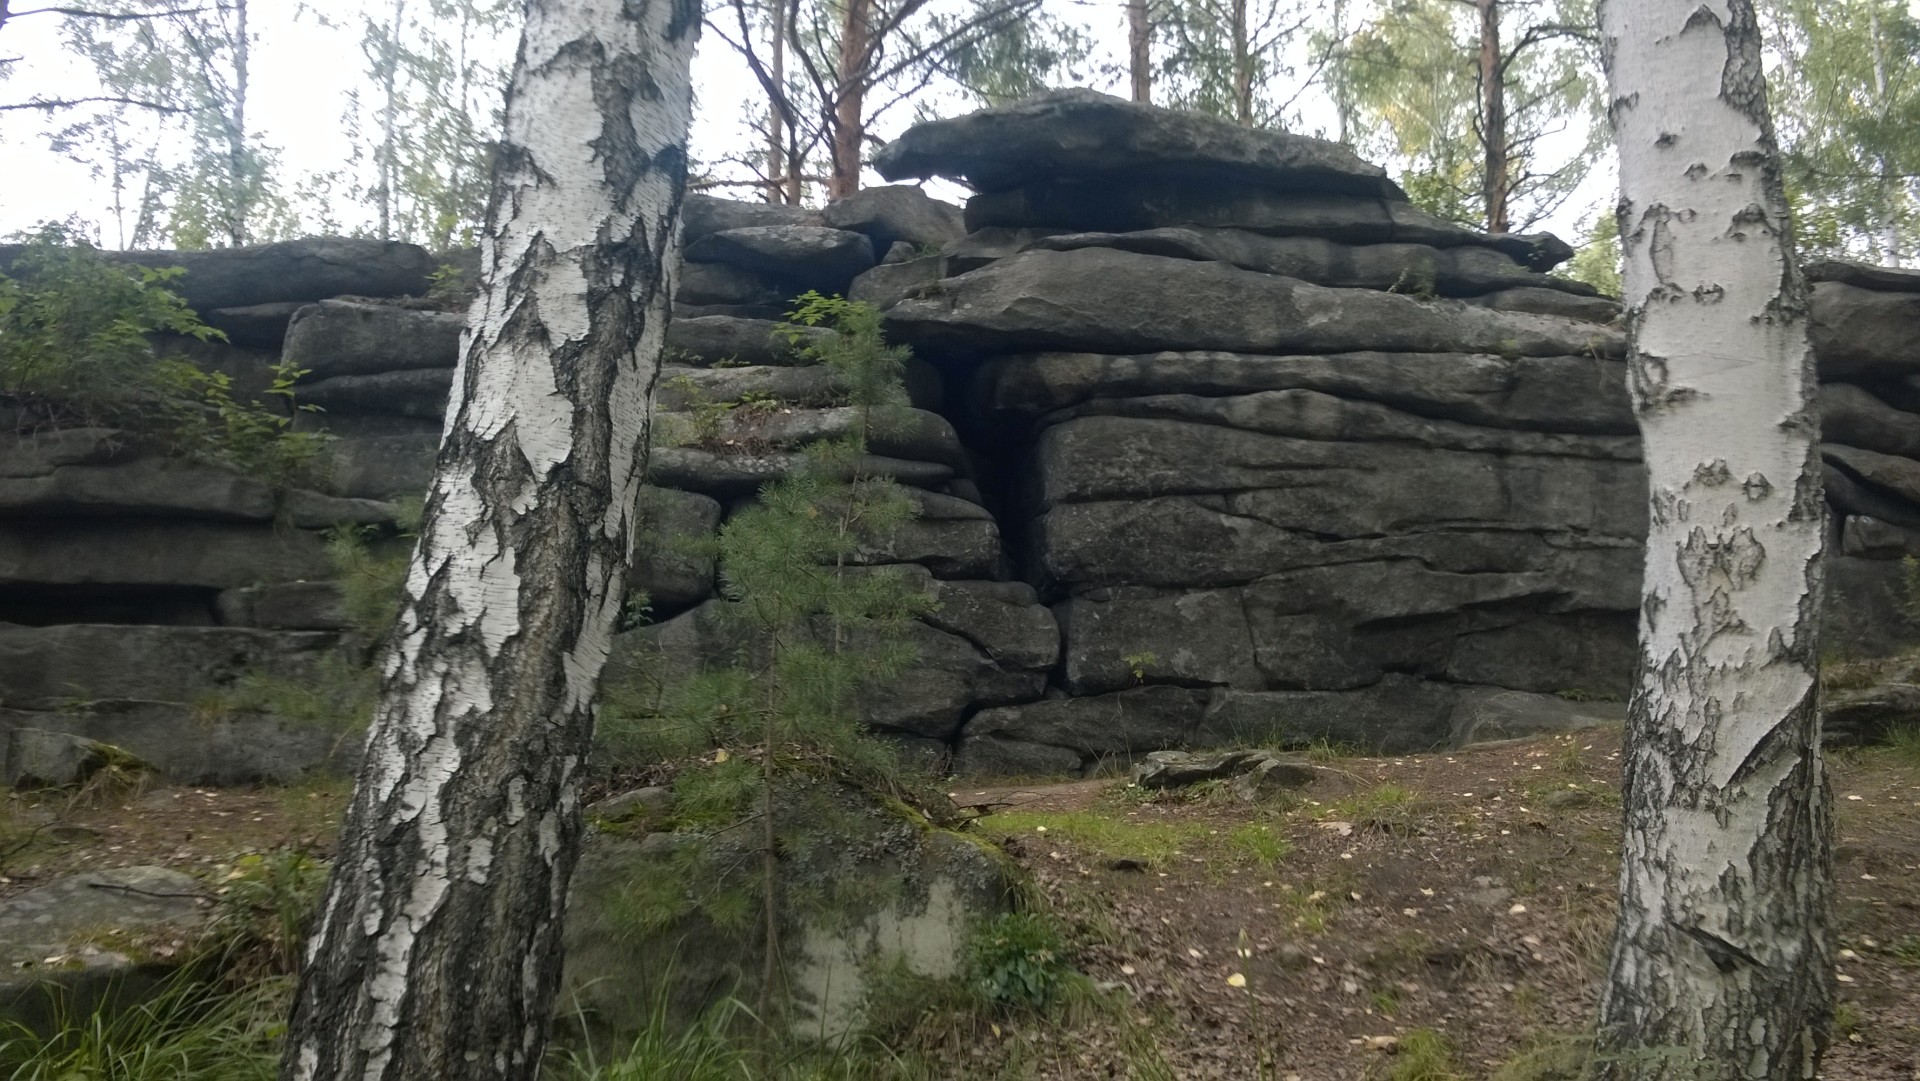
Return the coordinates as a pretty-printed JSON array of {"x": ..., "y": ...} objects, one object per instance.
[
  {"x": 437, "y": 950},
  {"x": 1722, "y": 958}
]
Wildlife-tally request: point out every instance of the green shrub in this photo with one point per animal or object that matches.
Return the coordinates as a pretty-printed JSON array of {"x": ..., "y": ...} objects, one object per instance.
[
  {"x": 76, "y": 348},
  {"x": 74, "y": 329},
  {"x": 1019, "y": 961}
]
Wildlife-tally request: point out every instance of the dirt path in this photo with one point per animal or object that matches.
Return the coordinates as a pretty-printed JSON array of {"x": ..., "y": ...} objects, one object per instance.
[{"x": 1456, "y": 906}]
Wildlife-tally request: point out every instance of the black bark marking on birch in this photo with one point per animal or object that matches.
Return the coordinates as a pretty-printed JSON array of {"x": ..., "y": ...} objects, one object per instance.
[
  {"x": 1725, "y": 955},
  {"x": 616, "y": 83}
]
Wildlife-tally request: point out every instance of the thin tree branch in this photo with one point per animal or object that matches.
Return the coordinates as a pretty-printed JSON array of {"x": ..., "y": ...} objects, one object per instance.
[{"x": 50, "y": 104}]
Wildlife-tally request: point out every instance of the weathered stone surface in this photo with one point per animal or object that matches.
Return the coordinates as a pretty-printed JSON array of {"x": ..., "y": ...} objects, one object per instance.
[
  {"x": 1136, "y": 202},
  {"x": 1848, "y": 496},
  {"x": 983, "y": 246},
  {"x": 1886, "y": 472},
  {"x": 1853, "y": 416},
  {"x": 1341, "y": 628},
  {"x": 720, "y": 283},
  {"x": 187, "y": 743},
  {"x": 1178, "y": 769},
  {"x": 673, "y": 559},
  {"x": 1413, "y": 269},
  {"x": 703, "y": 215},
  {"x": 1861, "y": 335},
  {"x": 984, "y": 644},
  {"x": 308, "y": 269},
  {"x": 262, "y": 325},
  {"x": 289, "y": 606},
  {"x": 917, "y": 435},
  {"x": 37, "y": 758},
  {"x": 1871, "y": 538},
  {"x": 994, "y": 755},
  {"x": 728, "y": 338},
  {"x": 1080, "y": 132},
  {"x": 155, "y": 552},
  {"x": 1216, "y": 540},
  {"x": 1866, "y": 715},
  {"x": 54, "y": 934},
  {"x": 680, "y": 388},
  {"x": 951, "y": 537},
  {"x": 388, "y": 461},
  {"x": 890, "y": 283},
  {"x": 904, "y": 894},
  {"x": 52, "y": 667},
  {"x": 140, "y": 484},
  {"x": 804, "y": 255},
  {"x": 899, "y": 252},
  {"x": 416, "y": 392},
  {"x": 350, "y": 337},
  {"x": 1486, "y": 714},
  {"x": 1543, "y": 301},
  {"x": 1311, "y": 414},
  {"x": 1891, "y": 279},
  {"x": 1865, "y": 613},
  {"x": 1090, "y": 299},
  {"x": 896, "y": 213},
  {"x": 1399, "y": 713},
  {"x": 728, "y": 475},
  {"x": 1552, "y": 394},
  {"x": 1106, "y": 458}
]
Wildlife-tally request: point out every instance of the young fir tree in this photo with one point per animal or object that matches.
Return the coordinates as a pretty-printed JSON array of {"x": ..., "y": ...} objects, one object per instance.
[{"x": 813, "y": 629}]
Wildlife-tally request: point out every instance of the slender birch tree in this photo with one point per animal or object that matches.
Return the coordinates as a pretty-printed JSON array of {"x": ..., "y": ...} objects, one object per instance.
[
  {"x": 1722, "y": 959},
  {"x": 436, "y": 954}
]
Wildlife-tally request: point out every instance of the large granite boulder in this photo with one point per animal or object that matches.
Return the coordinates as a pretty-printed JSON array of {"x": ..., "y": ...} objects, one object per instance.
[
  {"x": 1134, "y": 202},
  {"x": 1080, "y": 132},
  {"x": 309, "y": 269},
  {"x": 1102, "y": 300},
  {"x": 897, "y": 213},
  {"x": 350, "y": 337},
  {"x": 800, "y": 256}
]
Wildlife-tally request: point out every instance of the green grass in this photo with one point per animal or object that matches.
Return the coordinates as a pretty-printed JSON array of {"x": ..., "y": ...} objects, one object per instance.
[
  {"x": 187, "y": 1032},
  {"x": 1424, "y": 1055},
  {"x": 1117, "y": 838},
  {"x": 1903, "y": 744},
  {"x": 1260, "y": 842}
]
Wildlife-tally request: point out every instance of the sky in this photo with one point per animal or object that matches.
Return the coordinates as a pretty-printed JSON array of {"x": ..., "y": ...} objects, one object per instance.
[{"x": 303, "y": 71}]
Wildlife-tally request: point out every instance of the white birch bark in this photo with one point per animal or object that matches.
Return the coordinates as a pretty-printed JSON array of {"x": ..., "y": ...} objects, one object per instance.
[
  {"x": 436, "y": 954},
  {"x": 1721, "y": 962}
]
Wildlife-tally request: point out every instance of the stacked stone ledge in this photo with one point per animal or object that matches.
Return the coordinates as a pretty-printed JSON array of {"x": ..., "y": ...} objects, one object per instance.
[
  {"x": 1217, "y": 440},
  {"x": 136, "y": 587},
  {"x": 1291, "y": 460}
]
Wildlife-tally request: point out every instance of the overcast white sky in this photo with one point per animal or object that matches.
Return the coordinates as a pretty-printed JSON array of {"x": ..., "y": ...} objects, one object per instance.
[{"x": 302, "y": 73}]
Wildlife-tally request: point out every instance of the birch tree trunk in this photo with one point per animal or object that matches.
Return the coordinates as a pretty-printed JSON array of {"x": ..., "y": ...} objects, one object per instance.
[
  {"x": 437, "y": 951},
  {"x": 1721, "y": 962}
]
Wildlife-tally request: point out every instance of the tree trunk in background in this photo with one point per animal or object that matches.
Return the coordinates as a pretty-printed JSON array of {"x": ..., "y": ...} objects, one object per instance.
[
  {"x": 1140, "y": 50},
  {"x": 849, "y": 111},
  {"x": 239, "y": 160},
  {"x": 776, "y": 108},
  {"x": 1497, "y": 183},
  {"x": 1722, "y": 959},
  {"x": 1242, "y": 66},
  {"x": 389, "y": 117},
  {"x": 436, "y": 954}
]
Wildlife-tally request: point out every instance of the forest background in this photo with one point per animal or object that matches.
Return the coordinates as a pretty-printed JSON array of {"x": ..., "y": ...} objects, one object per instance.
[{"x": 166, "y": 123}]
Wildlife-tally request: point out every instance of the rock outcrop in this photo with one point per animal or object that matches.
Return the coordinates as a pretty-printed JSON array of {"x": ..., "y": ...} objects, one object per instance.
[{"x": 1215, "y": 438}]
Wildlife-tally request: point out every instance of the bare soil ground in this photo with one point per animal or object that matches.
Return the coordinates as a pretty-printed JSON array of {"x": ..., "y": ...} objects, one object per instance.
[{"x": 1450, "y": 908}]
